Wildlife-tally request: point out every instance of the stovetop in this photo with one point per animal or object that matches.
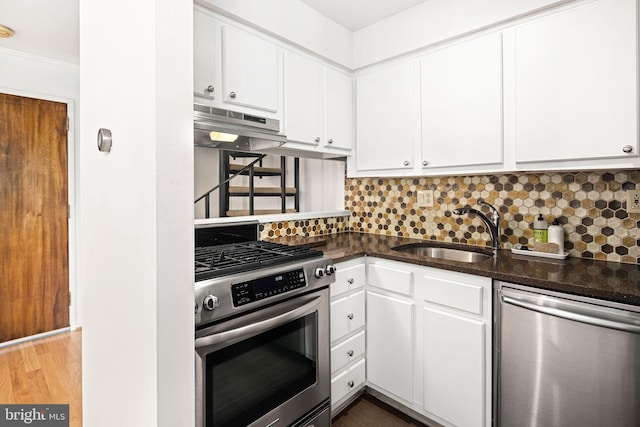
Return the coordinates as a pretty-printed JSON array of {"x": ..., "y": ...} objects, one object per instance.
[{"x": 221, "y": 260}]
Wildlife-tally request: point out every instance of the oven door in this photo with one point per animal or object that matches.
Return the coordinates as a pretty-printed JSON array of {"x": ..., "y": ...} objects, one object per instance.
[{"x": 266, "y": 368}]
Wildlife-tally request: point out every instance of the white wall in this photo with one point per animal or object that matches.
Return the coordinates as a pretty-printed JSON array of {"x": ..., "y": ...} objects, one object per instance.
[
  {"x": 32, "y": 76},
  {"x": 431, "y": 22},
  {"x": 136, "y": 224},
  {"x": 425, "y": 24},
  {"x": 291, "y": 20}
]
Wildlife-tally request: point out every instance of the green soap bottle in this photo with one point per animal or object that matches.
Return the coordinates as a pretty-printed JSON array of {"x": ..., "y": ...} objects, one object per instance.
[{"x": 540, "y": 230}]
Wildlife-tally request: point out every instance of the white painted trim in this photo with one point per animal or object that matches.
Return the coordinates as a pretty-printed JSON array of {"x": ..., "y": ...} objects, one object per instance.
[
  {"x": 34, "y": 337},
  {"x": 75, "y": 311},
  {"x": 38, "y": 58},
  {"x": 263, "y": 219}
]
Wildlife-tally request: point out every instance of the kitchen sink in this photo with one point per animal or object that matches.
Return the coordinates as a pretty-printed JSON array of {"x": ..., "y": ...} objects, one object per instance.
[{"x": 430, "y": 251}]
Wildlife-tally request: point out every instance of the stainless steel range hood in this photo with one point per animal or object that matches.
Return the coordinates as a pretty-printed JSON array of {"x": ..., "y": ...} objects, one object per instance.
[{"x": 230, "y": 130}]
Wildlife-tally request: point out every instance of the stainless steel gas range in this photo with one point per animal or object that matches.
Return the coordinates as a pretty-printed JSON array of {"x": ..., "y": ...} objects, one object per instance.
[{"x": 261, "y": 331}]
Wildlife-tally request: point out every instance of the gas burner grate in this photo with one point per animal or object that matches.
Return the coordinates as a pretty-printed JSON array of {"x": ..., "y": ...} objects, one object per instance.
[{"x": 216, "y": 261}]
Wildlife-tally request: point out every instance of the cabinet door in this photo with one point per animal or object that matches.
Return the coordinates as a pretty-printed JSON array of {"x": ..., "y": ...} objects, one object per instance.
[
  {"x": 347, "y": 315},
  {"x": 390, "y": 344},
  {"x": 250, "y": 70},
  {"x": 385, "y": 118},
  {"x": 576, "y": 83},
  {"x": 461, "y": 97},
  {"x": 203, "y": 58},
  {"x": 339, "y": 116},
  {"x": 453, "y": 366},
  {"x": 303, "y": 99}
]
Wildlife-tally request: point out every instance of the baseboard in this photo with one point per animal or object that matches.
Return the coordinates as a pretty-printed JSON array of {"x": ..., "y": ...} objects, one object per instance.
[{"x": 33, "y": 337}]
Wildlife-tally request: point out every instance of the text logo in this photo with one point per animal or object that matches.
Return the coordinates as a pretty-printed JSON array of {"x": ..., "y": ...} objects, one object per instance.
[{"x": 34, "y": 415}]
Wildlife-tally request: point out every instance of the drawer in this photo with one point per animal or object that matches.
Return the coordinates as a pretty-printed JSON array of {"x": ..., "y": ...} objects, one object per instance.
[
  {"x": 347, "y": 382},
  {"x": 389, "y": 278},
  {"x": 347, "y": 315},
  {"x": 347, "y": 279},
  {"x": 462, "y": 296},
  {"x": 348, "y": 351}
]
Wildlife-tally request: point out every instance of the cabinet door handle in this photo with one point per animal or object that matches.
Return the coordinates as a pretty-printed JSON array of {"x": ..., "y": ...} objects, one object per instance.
[
  {"x": 350, "y": 353},
  {"x": 350, "y": 316},
  {"x": 425, "y": 163},
  {"x": 351, "y": 384},
  {"x": 317, "y": 139},
  {"x": 330, "y": 141},
  {"x": 233, "y": 95},
  {"x": 210, "y": 88},
  {"x": 406, "y": 163},
  {"x": 350, "y": 280},
  {"x": 627, "y": 149}
]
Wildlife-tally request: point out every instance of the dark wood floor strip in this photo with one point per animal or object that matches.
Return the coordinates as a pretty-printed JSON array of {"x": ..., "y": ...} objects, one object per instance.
[{"x": 368, "y": 411}]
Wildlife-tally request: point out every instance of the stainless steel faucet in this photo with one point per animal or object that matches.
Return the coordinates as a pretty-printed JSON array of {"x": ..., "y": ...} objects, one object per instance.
[{"x": 493, "y": 224}]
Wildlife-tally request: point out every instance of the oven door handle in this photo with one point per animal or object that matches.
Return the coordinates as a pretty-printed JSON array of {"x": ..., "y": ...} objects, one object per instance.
[{"x": 257, "y": 327}]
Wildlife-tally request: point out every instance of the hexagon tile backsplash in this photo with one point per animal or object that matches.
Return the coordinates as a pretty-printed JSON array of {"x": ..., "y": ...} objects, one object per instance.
[{"x": 590, "y": 206}]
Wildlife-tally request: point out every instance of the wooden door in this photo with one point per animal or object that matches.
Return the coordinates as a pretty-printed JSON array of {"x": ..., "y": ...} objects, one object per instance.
[{"x": 34, "y": 260}]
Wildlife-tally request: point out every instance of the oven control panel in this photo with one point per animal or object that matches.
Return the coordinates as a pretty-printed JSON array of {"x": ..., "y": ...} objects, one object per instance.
[{"x": 265, "y": 287}]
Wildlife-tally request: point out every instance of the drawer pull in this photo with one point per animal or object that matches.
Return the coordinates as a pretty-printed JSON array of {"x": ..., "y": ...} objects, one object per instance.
[
  {"x": 350, "y": 281},
  {"x": 351, "y": 384},
  {"x": 350, "y": 316},
  {"x": 350, "y": 353}
]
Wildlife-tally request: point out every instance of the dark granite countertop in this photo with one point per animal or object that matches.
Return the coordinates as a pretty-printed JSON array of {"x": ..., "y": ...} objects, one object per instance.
[{"x": 597, "y": 279}]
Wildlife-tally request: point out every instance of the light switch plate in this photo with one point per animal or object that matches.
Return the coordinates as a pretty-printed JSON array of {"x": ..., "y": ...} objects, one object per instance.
[
  {"x": 633, "y": 201},
  {"x": 425, "y": 198}
]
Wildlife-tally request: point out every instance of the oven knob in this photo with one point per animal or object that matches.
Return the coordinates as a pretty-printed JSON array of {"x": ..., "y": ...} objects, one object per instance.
[
  {"x": 330, "y": 270},
  {"x": 319, "y": 272},
  {"x": 210, "y": 302}
]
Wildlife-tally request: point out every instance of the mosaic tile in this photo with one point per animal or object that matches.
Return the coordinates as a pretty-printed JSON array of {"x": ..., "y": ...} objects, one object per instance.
[
  {"x": 306, "y": 228},
  {"x": 591, "y": 207}
]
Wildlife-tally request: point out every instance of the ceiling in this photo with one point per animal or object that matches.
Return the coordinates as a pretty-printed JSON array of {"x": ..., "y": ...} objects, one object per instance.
[
  {"x": 50, "y": 28},
  {"x": 42, "y": 27},
  {"x": 357, "y": 14}
]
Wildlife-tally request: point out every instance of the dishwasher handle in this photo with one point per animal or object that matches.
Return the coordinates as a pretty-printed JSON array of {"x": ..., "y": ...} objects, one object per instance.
[{"x": 568, "y": 312}]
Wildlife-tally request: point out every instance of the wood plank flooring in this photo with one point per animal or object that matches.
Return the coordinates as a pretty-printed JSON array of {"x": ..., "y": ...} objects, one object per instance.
[
  {"x": 47, "y": 370},
  {"x": 367, "y": 411}
]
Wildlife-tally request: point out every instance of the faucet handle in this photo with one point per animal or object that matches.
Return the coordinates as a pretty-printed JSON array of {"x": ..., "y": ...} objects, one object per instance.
[{"x": 495, "y": 214}]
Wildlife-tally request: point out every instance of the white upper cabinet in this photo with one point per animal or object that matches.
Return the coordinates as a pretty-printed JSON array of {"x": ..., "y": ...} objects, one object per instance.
[
  {"x": 461, "y": 105},
  {"x": 235, "y": 69},
  {"x": 386, "y": 117},
  {"x": 575, "y": 87},
  {"x": 303, "y": 99},
  {"x": 339, "y": 111},
  {"x": 204, "y": 49},
  {"x": 250, "y": 70},
  {"x": 318, "y": 106}
]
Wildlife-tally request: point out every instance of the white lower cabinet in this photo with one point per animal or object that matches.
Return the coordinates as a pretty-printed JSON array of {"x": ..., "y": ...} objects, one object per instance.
[
  {"x": 390, "y": 331},
  {"x": 348, "y": 345},
  {"x": 453, "y": 363},
  {"x": 428, "y": 339},
  {"x": 453, "y": 347}
]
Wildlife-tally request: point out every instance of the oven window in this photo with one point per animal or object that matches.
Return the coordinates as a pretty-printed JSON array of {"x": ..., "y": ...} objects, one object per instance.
[{"x": 248, "y": 379}]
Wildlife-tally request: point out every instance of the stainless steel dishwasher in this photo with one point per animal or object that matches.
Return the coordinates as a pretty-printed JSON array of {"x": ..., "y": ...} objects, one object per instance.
[{"x": 564, "y": 361}]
